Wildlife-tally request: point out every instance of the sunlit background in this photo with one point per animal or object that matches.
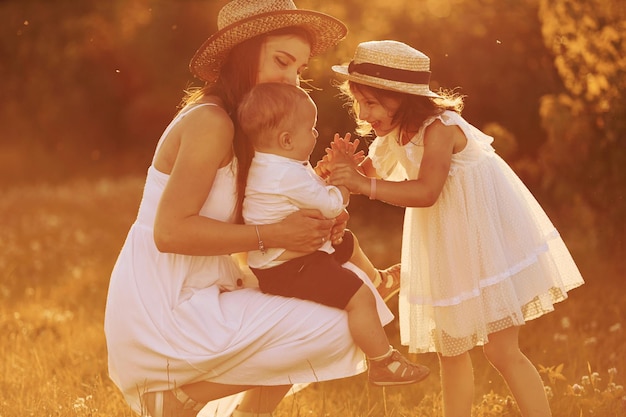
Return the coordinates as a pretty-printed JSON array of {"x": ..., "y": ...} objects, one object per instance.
[{"x": 86, "y": 88}]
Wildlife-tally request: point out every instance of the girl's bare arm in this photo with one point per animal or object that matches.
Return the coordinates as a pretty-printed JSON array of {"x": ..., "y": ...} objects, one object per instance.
[{"x": 439, "y": 144}]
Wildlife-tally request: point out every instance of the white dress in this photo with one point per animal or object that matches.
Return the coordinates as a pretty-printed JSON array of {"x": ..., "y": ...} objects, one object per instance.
[
  {"x": 171, "y": 320},
  {"x": 483, "y": 258}
]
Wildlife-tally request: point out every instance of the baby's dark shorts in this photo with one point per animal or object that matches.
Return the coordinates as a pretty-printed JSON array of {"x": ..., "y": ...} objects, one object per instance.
[{"x": 317, "y": 277}]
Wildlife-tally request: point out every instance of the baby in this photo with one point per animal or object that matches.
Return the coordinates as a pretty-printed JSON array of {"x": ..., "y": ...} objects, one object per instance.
[{"x": 280, "y": 120}]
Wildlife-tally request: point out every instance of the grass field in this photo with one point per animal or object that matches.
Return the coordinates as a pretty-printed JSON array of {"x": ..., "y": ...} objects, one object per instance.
[{"x": 58, "y": 245}]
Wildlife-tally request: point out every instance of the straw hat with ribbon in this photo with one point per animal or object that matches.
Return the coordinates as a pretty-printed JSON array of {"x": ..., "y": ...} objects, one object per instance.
[
  {"x": 240, "y": 20},
  {"x": 389, "y": 65}
]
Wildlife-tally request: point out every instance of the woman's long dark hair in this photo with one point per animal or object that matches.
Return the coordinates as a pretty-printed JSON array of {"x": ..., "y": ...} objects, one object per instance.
[{"x": 238, "y": 75}]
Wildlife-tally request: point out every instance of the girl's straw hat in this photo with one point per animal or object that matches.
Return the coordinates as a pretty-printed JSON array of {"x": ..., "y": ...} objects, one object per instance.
[
  {"x": 240, "y": 20},
  {"x": 389, "y": 65}
]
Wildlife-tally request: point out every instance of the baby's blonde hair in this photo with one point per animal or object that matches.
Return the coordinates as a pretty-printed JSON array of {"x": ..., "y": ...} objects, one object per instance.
[{"x": 269, "y": 108}]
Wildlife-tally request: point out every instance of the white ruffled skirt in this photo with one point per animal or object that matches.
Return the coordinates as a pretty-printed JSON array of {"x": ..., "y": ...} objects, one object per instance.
[{"x": 483, "y": 258}]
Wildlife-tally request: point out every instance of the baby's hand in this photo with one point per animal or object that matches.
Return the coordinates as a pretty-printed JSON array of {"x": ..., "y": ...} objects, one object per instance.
[
  {"x": 322, "y": 168},
  {"x": 343, "y": 150}
]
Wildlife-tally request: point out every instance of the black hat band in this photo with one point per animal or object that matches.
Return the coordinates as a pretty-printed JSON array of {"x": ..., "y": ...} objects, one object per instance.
[{"x": 391, "y": 74}]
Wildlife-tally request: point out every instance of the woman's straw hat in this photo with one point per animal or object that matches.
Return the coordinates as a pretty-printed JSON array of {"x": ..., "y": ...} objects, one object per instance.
[
  {"x": 240, "y": 20},
  {"x": 389, "y": 65}
]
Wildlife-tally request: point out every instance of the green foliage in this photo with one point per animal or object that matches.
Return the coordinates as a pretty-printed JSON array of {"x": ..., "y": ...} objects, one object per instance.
[
  {"x": 587, "y": 41},
  {"x": 586, "y": 125},
  {"x": 491, "y": 50},
  {"x": 588, "y": 397},
  {"x": 88, "y": 86}
]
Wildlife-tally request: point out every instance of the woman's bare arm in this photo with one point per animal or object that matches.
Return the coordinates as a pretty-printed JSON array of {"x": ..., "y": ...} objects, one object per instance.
[{"x": 205, "y": 144}]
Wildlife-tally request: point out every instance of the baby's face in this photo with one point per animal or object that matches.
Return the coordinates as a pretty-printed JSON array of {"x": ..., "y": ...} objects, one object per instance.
[{"x": 304, "y": 133}]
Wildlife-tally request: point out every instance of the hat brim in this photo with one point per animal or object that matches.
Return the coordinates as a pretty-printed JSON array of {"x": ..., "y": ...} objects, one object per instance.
[
  {"x": 415, "y": 89},
  {"x": 326, "y": 32}
]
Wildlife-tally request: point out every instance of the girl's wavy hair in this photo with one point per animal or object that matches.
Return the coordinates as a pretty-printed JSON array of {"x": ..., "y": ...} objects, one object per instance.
[
  {"x": 414, "y": 110},
  {"x": 237, "y": 77}
]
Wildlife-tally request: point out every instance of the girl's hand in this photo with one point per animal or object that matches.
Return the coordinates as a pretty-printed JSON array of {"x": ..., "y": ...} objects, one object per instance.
[
  {"x": 348, "y": 175},
  {"x": 304, "y": 231}
]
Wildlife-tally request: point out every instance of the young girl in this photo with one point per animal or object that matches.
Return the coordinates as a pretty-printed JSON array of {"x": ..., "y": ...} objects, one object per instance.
[{"x": 479, "y": 255}]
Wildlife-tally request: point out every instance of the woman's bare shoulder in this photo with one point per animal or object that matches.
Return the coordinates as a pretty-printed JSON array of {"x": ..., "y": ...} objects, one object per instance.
[
  {"x": 208, "y": 114},
  {"x": 206, "y": 125}
]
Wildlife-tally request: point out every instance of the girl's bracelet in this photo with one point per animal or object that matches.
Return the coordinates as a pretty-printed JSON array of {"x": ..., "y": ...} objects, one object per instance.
[{"x": 372, "y": 188}]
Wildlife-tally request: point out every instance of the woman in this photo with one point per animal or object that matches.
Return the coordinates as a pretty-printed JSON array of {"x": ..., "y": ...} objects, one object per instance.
[{"x": 180, "y": 331}]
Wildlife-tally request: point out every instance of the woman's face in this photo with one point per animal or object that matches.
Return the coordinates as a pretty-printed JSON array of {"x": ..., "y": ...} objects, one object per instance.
[
  {"x": 379, "y": 113},
  {"x": 282, "y": 59}
]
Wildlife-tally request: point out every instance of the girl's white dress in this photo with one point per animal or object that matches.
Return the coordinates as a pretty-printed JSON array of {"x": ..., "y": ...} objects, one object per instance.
[
  {"x": 483, "y": 258},
  {"x": 174, "y": 319}
]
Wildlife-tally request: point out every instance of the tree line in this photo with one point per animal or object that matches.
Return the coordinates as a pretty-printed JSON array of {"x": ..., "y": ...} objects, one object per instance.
[{"x": 88, "y": 86}]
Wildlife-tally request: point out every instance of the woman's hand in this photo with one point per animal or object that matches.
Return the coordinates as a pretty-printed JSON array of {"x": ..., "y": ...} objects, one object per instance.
[
  {"x": 341, "y": 222},
  {"x": 303, "y": 231}
]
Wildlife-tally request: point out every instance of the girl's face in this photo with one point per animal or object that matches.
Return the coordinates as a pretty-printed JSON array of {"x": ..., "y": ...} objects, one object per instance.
[
  {"x": 282, "y": 59},
  {"x": 377, "y": 112}
]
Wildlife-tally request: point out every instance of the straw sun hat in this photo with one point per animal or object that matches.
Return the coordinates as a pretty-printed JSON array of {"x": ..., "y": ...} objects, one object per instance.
[
  {"x": 389, "y": 65},
  {"x": 240, "y": 20}
]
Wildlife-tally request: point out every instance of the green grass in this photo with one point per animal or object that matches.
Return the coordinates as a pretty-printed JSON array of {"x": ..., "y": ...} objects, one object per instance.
[{"x": 58, "y": 245}]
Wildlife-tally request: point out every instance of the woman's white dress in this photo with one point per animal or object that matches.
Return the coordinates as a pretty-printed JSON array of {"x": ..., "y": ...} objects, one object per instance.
[
  {"x": 174, "y": 319},
  {"x": 483, "y": 258}
]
